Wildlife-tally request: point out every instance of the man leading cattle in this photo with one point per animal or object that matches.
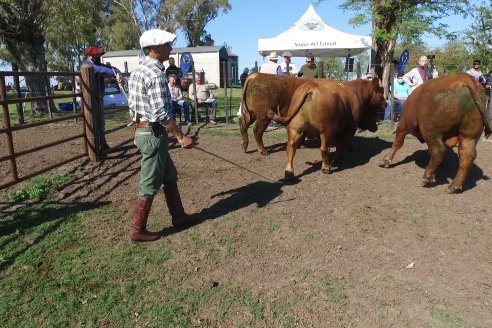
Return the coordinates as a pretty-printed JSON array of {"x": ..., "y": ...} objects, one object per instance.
[
  {"x": 448, "y": 111},
  {"x": 151, "y": 110}
]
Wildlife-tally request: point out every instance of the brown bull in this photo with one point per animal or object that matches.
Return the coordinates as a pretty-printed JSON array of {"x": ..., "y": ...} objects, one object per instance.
[
  {"x": 263, "y": 92},
  {"x": 447, "y": 111},
  {"x": 333, "y": 111}
]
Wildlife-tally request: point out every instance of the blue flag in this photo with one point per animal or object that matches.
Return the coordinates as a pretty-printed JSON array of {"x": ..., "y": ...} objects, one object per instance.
[
  {"x": 405, "y": 56},
  {"x": 185, "y": 62}
]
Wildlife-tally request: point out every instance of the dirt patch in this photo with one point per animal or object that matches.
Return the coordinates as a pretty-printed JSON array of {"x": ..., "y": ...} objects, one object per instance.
[{"x": 362, "y": 247}]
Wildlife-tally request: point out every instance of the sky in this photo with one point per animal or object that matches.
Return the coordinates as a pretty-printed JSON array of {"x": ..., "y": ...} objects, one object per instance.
[{"x": 250, "y": 20}]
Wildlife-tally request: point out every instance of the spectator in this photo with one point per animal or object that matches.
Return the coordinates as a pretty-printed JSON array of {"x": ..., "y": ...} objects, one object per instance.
[
  {"x": 152, "y": 113},
  {"x": 271, "y": 67},
  {"x": 204, "y": 97},
  {"x": 287, "y": 67},
  {"x": 177, "y": 99},
  {"x": 244, "y": 76},
  {"x": 93, "y": 57},
  {"x": 309, "y": 69},
  {"x": 402, "y": 90},
  {"x": 420, "y": 74},
  {"x": 175, "y": 70},
  {"x": 476, "y": 72}
]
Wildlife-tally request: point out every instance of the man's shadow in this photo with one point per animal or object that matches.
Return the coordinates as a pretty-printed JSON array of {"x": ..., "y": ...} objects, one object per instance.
[{"x": 260, "y": 193}]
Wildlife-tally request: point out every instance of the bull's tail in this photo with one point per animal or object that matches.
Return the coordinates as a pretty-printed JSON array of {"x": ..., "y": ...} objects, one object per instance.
[
  {"x": 296, "y": 104},
  {"x": 481, "y": 107},
  {"x": 244, "y": 106}
]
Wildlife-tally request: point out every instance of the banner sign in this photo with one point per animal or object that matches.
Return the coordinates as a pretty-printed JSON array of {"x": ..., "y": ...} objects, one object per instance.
[
  {"x": 405, "y": 56},
  {"x": 185, "y": 62}
]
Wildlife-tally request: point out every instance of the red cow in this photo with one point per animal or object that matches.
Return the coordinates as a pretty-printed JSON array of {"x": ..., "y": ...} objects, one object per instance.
[
  {"x": 263, "y": 92},
  {"x": 448, "y": 111},
  {"x": 333, "y": 111}
]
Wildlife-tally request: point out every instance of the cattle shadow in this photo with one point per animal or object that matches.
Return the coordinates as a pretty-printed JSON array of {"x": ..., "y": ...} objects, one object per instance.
[
  {"x": 447, "y": 170},
  {"x": 361, "y": 152},
  {"x": 260, "y": 193}
]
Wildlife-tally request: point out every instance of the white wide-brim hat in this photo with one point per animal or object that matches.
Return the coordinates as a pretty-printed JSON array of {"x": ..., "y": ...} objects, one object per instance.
[
  {"x": 273, "y": 55},
  {"x": 156, "y": 37}
]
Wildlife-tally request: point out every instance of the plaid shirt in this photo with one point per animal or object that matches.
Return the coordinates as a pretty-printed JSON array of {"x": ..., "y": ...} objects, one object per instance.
[{"x": 148, "y": 93}]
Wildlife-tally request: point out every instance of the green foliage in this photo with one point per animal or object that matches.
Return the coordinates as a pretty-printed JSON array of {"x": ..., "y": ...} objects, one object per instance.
[
  {"x": 72, "y": 26},
  {"x": 479, "y": 36},
  {"x": 192, "y": 16},
  {"x": 122, "y": 27},
  {"x": 41, "y": 188}
]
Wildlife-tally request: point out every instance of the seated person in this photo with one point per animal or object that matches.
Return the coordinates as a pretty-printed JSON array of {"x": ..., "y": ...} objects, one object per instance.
[
  {"x": 174, "y": 70},
  {"x": 402, "y": 90},
  {"x": 177, "y": 99},
  {"x": 204, "y": 97}
]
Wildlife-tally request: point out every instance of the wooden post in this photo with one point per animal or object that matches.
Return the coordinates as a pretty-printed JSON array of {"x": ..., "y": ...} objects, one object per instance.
[
  {"x": 194, "y": 88},
  {"x": 224, "y": 70},
  {"x": 6, "y": 124},
  {"x": 392, "y": 94},
  {"x": 90, "y": 104}
]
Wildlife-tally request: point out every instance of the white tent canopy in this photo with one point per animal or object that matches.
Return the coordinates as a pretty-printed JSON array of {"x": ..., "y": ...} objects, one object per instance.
[{"x": 311, "y": 36}]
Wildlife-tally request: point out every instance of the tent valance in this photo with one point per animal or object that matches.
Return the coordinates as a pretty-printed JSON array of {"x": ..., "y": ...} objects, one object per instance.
[{"x": 311, "y": 36}]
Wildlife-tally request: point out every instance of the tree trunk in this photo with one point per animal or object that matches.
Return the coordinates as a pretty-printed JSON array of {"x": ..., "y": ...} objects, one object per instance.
[
  {"x": 20, "y": 110},
  {"x": 28, "y": 49},
  {"x": 383, "y": 57}
]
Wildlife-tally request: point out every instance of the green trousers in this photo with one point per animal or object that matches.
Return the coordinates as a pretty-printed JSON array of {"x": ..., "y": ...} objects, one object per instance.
[{"x": 157, "y": 168}]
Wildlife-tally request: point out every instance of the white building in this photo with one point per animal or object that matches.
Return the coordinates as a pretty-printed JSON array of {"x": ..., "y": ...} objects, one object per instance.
[{"x": 208, "y": 59}]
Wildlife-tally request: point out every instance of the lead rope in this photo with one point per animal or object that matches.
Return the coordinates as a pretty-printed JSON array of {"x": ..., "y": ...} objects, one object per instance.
[{"x": 240, "y": 166}]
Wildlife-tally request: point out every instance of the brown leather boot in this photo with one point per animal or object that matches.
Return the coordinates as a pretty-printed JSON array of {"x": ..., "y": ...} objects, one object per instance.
[
  {"x": 179, "y": 217},
  {"x": 138, "y": 230}
]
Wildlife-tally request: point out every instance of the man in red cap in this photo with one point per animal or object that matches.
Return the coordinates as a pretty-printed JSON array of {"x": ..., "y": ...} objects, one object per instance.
[{"x": 93, "y": 57}]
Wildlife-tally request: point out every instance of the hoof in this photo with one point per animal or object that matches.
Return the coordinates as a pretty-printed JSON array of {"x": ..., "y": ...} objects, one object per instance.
[
  {"x": 453, "y": 190},
  {"x": 326, "y": 170},
  {"x": 288, "y": 176},
  {"x": 264, "y": 152},
  {"x": 426, "y": 182},
  {"x": 385, "y": 163}
]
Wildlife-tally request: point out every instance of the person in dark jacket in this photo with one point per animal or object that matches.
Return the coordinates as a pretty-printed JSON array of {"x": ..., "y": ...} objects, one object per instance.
[
  {"x": 244, "y": 76},
  {"x": 174, "y": 70}
]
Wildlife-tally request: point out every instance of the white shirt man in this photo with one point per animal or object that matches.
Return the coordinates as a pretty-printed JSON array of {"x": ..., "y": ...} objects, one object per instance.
[
  {"x": 287, "y": 63},
  {"x": 416, "y": 76},
  {"x": 271, "y": 67}
]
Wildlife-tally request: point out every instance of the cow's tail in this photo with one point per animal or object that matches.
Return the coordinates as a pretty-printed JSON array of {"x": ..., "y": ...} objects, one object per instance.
[
  {"x": 244, "y": 106},
  {"x": 481, "y": 107},
  {"x": 296, "y": 103}
]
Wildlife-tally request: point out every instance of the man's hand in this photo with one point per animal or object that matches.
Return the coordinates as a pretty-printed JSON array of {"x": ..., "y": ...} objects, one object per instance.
[
  {"x": 185, "y": 142},
  {"x": 120, "y": 79}
]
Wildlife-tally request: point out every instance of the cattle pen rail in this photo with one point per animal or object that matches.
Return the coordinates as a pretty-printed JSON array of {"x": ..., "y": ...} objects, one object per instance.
[{"x": 91, "y": 108}]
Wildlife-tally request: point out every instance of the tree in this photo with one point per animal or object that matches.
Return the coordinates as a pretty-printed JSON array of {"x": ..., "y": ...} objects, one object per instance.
[
  {"x": 191, "y": 16},
  {"x": 22, "y": 26},
  {"x": 452, "y": 57},
  {"x": 392, "y": 19},
  {"x": 121, "y": 32},
  {"x": 479, "y": 36},
  {"x": 71, "y": 27}
]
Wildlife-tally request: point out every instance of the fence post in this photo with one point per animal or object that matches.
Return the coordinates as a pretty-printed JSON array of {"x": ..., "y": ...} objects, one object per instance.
[
  {"x": 90, "y": 107},
  {"x": 6, "y": 124},
  {"x": 224, "y": 70}
]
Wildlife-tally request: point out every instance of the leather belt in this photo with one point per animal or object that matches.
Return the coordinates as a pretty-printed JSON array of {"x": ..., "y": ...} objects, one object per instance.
[{"x": 140, "y": 125}]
